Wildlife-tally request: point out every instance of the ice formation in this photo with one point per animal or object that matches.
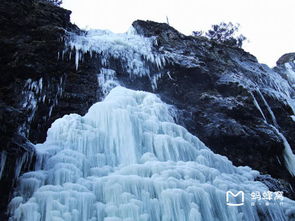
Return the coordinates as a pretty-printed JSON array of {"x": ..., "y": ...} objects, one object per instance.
[
  {"x": 107, "y": 80},
  {"x": 134, "y": 49},
  {"x": 288, "y": 154},
  {"x": 290, "y": 73},
  {"x": 266, "y": 81},
  {"x": 30, "y": 93},
  {"x": 3, "y": 157},
  {"x": 127, "y": 160},
  {"x": 33, "y": 93}
]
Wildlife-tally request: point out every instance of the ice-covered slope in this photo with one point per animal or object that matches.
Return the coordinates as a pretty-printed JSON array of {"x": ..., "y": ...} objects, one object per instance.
[
  {"x": 148, "y": 56},
  {"x": 126, "y": 159}
]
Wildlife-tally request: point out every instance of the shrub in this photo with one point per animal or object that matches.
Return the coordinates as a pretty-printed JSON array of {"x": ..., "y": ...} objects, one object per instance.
[{"x": 225, "y": 33}]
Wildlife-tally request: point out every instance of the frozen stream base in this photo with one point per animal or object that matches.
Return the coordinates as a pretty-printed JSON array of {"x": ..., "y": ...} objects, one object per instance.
[{"x": 126, "y": 160}]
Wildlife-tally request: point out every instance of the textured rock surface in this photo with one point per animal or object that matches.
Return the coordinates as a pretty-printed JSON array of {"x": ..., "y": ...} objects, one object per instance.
[
  {"x": 286, "y": 58},
  {"x": 215, "y": 98},
  {"x": 219, "y": 110},
  {"x": 35, "y": 86},
  {"x": 213, "y": 87}
]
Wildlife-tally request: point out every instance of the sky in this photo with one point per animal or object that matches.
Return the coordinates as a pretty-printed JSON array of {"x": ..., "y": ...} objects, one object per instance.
[{"x": 269, "y": 25}]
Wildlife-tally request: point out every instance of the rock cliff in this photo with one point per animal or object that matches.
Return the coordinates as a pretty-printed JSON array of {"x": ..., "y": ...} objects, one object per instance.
[
  {"x": 32, "y": 82},
  {"x": 236, "y": 106}
]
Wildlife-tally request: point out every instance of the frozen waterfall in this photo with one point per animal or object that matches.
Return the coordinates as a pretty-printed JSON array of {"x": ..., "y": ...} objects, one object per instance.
[{"x": 126, "y": 160}]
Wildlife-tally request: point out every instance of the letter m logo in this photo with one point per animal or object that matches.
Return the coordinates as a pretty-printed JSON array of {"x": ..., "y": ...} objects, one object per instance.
[{"x": 237, "y": 199}]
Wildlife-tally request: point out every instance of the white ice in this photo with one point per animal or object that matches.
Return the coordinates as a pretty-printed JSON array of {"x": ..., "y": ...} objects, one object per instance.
[
  {"x": 258, "y": 106},
  {"x": 288, "y": 154},
  {"x": 3, "y": 157},
  {"x": 265, "y": 81},
  {"x": 290, "y": 73},
  {"x": 107, "y": 80},
  {"x": 274, "y": 120},
  {"x": 126, "y": 160},
  {"x": 131, "y": 48}
]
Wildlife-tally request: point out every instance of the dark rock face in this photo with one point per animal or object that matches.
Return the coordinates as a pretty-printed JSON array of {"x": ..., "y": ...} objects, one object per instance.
[
  {"x": 286, "y": 58},
  {"x": 215, "y": 88},
  {"x": 216, "y": 99},
  {"x": 37, "y": 86}
]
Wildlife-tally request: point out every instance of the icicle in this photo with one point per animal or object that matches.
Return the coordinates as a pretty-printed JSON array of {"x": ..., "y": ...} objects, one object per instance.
[
  {"x": 107, "y": 80},
  {"x": 257, "y": 105},
  {"x": 135, "y": 50},
  {"x": 40, "y": 84},
  {"x": 26, "y": 159},
  {"x": 168, "y": 73},
  {"x": 288, "y": 154},
  {"x": 3, "y": 157},
  {"x": 77, "y": 59},
  {"x": 274, "y": 120},
  {"x": 154, "y": 80},
  {"x": 50, "y": 111}
]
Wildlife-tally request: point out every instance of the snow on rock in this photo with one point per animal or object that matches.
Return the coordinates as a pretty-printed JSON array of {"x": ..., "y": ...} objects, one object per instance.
[
  {"x": 267, "y": 81},
  {"x": 290, "y": 73},
  {"x": 130, "y": 47},
  {"x": 126, "y": 159}
]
